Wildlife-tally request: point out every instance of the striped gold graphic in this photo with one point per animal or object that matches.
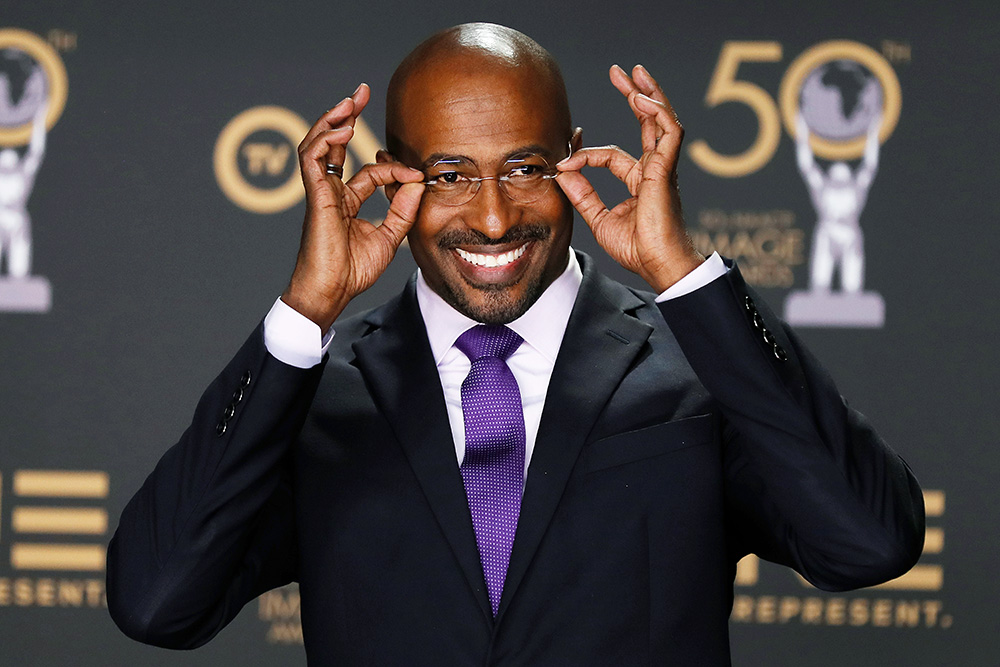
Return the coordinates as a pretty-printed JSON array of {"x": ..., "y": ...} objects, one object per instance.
[
  {"x": 934, "y": 541},
  {"x": 80, "y": 557},
  {"x": 61, "y": 483},
  {"x": 920, "y": 578},
  {"x": 934, "y": 502},
  {"x": 65, "y": 520}
]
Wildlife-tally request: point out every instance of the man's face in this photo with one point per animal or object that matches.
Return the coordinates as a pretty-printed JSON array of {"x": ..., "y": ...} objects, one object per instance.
[{"x": 486, "y": 117}]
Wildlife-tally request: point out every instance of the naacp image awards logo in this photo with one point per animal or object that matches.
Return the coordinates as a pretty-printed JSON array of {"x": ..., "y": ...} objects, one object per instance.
[
  {"x": 33, "y": 88},
  {"x": 842, "y": 108}
]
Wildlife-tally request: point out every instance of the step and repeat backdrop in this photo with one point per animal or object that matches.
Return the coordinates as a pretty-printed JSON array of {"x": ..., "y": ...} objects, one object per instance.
[{"x": 150, "y": 206}]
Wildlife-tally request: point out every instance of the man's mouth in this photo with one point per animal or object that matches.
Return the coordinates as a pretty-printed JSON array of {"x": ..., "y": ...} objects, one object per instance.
[{"x": 492, "y": 260}]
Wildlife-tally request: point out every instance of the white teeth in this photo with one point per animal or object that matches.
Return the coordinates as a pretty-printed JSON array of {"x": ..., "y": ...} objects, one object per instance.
[{"x": 491, "y": 260}]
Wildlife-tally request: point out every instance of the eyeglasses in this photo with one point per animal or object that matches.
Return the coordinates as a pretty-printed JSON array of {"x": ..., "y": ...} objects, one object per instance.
[{"x": 455, "y": 181}]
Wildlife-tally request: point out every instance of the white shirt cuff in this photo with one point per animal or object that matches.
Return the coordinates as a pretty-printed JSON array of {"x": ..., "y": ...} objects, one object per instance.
[
  {"x": 706, "y": 272},
  {"x": 293, "y": 338}
]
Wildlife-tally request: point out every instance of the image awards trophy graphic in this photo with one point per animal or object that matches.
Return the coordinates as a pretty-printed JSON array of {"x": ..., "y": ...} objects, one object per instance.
[
  {"x": 32, "y": 96},
  {"x": 839, "y": 101}
]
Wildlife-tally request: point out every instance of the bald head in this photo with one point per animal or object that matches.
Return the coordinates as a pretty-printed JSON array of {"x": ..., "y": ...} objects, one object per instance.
[{"x": 465, "y": 53}]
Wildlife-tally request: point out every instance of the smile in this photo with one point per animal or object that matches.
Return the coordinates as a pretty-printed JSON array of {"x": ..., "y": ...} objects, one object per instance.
[{"x": 488, "y": 261}]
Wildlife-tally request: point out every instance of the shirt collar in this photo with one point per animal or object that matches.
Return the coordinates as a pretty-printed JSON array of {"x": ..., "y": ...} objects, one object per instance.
[{"x": 542, "y": 326}]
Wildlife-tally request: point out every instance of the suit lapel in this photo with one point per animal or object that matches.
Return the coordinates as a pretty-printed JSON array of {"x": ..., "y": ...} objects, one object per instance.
[
  {"x": 602, "y": 339},
  {"x": 398, "y": 366}
]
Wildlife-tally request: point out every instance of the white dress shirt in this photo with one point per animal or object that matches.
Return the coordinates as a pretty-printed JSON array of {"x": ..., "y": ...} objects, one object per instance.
[{"x": 297, "y": 341}]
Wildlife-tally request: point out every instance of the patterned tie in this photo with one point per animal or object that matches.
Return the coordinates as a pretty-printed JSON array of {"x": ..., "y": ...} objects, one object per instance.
[{"x": 493, "y": 468}]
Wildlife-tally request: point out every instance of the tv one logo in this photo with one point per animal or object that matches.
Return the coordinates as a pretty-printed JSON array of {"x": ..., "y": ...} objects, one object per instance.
[
  {"x": 56, "y": 540},
  {"x": 839, "y": 101},
  {"x": 909, "y": 601},
  {"x": 256, "y": 159}
]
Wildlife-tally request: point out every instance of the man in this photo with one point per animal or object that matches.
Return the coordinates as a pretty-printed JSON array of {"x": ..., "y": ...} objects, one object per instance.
[{"x": 654, "y": 444}]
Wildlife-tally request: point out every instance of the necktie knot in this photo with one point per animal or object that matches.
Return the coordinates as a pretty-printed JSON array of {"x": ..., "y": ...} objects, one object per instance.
[{"x": 488, "y": 340}]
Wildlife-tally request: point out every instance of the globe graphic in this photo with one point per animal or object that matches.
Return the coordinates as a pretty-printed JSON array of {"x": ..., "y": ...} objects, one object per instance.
[
  {"x": 840, "y": 99},
  {"x": 23, "y": 88}
]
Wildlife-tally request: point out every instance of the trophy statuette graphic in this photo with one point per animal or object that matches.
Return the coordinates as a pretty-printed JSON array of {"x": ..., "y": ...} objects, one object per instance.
[
  {"x": 838, "y": 101},
  {"x": 32, "y": 96}
]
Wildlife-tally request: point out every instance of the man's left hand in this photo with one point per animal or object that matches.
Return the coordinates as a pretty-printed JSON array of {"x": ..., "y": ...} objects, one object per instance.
[{"x": 646, "y": 232}]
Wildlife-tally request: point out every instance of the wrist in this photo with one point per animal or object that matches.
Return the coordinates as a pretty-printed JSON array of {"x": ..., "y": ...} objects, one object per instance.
[
  {"x": 321, "y": 309},
  {"x": 663, "y": 274}
]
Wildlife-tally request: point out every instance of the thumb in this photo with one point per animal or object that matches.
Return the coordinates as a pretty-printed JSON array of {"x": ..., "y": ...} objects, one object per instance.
[
  {"x": 402, "y": 211},
  {"x": 582, "y": 195}
]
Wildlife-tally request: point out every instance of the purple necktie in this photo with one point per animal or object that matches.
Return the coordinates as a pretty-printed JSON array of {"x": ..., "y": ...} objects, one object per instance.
[{"x": 493, "y": 467}]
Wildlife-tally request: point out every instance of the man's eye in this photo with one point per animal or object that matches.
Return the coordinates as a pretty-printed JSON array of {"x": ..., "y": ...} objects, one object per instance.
[
  {"x": 447, "y": 178},
  {"x": 525, "y": 171}
]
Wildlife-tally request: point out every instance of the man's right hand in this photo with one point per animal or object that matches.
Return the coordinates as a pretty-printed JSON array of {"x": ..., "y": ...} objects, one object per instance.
[{"x": 341, "y": 255}]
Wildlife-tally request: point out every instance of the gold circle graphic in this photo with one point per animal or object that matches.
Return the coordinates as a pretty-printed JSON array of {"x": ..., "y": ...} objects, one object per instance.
[
  {"x": 55, "y": 72},
  {"x": 791, "y": 84},
  {"x": 227, "y": 170}
]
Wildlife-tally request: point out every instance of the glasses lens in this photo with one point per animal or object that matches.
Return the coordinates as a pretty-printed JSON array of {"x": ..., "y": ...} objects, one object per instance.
[
  {"x": 526, "y": 178},
  {"x": 453, "y": 182}
]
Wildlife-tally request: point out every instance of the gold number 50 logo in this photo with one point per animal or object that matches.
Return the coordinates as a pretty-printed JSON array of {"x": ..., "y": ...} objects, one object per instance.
[{"x": 726, "y": 87}]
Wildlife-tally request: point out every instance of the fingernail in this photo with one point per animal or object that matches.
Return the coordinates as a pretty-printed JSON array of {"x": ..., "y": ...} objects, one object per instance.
[
  {"x": 564, "y": 160},
  {"x": 357, "y": 89}
]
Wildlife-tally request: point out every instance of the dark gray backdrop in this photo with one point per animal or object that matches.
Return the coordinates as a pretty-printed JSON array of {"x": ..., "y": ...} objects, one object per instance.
[{"x": 157, "y": 276}]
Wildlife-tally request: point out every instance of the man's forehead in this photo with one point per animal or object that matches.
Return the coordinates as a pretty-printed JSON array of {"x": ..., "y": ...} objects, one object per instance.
[{"x": 467, "y": 112}]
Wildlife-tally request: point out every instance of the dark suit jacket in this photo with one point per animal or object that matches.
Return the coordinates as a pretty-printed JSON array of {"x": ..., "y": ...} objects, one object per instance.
[{"x": 675, "y": 439}]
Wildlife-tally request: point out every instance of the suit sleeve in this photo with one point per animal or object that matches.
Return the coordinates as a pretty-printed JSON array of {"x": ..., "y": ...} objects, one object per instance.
[
  {"x": 810, "y": 484},
  {"x": 213, "y": 527}
]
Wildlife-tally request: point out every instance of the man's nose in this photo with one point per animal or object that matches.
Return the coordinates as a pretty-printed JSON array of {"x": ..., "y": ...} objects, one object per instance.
[{"x": 491, "y": 211}]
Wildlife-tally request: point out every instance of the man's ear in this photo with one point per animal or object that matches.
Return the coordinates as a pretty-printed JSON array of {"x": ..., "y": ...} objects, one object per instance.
[
  {"x": 383, "y": 156},
  {"x": 576, "y": 141}
]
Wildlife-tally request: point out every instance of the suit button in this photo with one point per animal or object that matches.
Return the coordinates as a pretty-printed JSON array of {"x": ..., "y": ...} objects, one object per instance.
[
  {"x": 749, "y": 304},
  {"x": 220, "y": 428},
  {"x": 229, "y": 412},
  {"x": 237, "y": 396},
  {"x": 245, "y": 380},
  {"x": 758, "y": 321},
  {"x": 779, "y": 353},
  {"x": 768, "y": 337}
]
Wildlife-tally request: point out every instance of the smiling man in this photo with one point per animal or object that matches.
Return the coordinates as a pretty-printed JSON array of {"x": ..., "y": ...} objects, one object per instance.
[{"x": 516, "y": 461}]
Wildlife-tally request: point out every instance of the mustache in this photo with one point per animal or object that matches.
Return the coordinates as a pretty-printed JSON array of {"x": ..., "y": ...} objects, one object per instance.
[{"x": 519, "y": 234}]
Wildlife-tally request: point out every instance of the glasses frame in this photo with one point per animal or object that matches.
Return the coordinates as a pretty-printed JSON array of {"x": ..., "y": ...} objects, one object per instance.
[{"x": 501, "y": 179}]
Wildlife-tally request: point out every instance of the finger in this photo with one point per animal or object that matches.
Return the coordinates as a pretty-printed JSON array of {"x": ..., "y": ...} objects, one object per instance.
[
  {"x": 402, "y": 212},
  {"x": 371, "y": 176},
  {"x": 652, "y": 89},
  {"x": 612, "y": 158},
  {"x": 627, "y": 87},
  {"x": 329, "y": 146},
  {"x": 647, "y": 84},
  {"x": 622, "y": 81},
  {"x": 361, "y": 95},
  {"x": 331, "y": 119},
  {"x": 343, "y": 114},
  {"x": 668, "y": 128}
]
